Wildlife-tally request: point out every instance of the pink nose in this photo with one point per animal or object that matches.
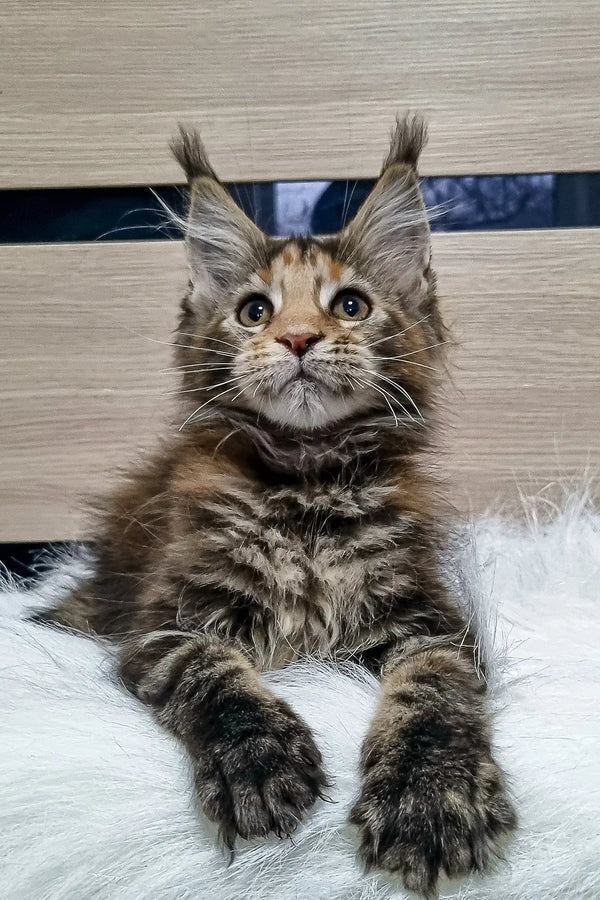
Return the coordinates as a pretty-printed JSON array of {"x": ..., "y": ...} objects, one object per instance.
[{"x": 299, "y": 343}]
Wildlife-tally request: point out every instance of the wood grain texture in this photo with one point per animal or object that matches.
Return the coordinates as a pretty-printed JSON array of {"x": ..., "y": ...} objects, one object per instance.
[
  {"x": 524, "y": 308},
  {"x": 90, "y": 92},
  {"x": 83, "y": 384},
  {"x": 82, "y": 378}
]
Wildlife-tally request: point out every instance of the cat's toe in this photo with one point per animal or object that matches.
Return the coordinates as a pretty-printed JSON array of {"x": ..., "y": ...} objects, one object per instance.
[
  {"x": 263, "y": 785},
  {"x": 428, "y": 829}
]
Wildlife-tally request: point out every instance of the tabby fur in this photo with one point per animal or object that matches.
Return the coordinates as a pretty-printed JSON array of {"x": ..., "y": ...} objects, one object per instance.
[{"x": 293, "y": 514}]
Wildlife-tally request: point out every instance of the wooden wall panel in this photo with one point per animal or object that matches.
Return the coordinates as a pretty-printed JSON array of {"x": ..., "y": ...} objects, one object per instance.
[
  {"x": 525, "y": 312},
  {"x": 81, "y": 378},
  {"x": 90, "y": 92},
  {"x": 83, "y": 385}
]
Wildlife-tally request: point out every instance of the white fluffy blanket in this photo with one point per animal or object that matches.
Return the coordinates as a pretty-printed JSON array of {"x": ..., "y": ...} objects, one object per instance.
[{"x": 95, "y": 798}]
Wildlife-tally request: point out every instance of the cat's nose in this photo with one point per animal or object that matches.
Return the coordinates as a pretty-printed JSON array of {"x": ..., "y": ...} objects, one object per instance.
[{"x": 299, "y": 343}]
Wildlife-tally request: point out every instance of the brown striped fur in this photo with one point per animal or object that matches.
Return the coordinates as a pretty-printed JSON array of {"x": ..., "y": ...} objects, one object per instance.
[{"x": 291, "y": 515}]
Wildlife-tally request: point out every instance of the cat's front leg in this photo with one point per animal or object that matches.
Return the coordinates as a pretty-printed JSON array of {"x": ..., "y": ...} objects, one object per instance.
[
  {"x": 433, "y": 799},
  {"x": 256, "y": 765}
]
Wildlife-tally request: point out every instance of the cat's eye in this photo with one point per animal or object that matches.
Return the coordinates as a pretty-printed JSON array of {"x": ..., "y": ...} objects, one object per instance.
[
  {"x": 350, "y": 306},
  {"x": 255, "y": 310}
]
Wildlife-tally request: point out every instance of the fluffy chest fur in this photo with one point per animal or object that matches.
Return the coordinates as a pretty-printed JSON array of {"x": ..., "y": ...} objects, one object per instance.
[{"x": 310, "y": 564}]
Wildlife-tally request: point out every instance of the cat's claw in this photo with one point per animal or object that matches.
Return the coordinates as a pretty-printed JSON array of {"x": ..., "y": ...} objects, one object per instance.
[
  {"x": 263, "y": 784},
  {"x": 432, "y": 827}
]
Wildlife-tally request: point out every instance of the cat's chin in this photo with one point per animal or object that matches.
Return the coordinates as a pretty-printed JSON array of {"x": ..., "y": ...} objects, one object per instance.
[{"x": 305, "y": 404}]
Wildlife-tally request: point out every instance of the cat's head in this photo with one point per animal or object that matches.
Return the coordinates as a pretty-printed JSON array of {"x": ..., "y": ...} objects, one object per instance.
[{"x": 310, "y": 332}]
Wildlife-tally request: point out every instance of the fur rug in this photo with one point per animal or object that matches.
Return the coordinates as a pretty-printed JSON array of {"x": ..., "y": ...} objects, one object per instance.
[{"x": 96, "y": 798}]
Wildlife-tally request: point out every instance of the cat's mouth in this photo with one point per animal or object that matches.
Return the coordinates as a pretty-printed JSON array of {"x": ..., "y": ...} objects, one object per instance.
[
  {"x": 304, "y": 394},
  {"x": 303, "y": 377}
]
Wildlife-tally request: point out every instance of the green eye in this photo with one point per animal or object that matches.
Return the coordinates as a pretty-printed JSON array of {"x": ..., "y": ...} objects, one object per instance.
[
  {"x": 350, "y": 306},
  {"x": 256, "y": 310}
]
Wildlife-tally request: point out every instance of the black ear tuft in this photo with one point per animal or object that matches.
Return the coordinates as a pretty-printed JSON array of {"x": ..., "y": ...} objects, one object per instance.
[
  {"x": 389, "y": 236},
  {"x": 190, "y": 152},
  {"x": 409, "y": 137},
  {"x": 223, "y": 244}
]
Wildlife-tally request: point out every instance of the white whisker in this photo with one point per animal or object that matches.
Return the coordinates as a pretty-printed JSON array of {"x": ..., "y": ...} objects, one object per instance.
[
  {"x": 207, "y": 372},
  {"x": 398, "y": 387},
  {"x": 346, "y": 211},
  {"x": 212, "y": 350},
  {"x": 233, "y": 399},
  {"x": 387, "y": 397},
  {"x": 344, "y": 203},
  {"x": 423, "y": 349},
  {"x": 202, "y": 405},
  {"x": 259, "y": 384},
  {"x": 205, "y": 337},
  {"x": 186, "y": 346},
  {"x": 209, "y": 387},
  {"x": 209, "y": 364},
  {"x": 399, "y": 333},
  {"x": 403, "y": 356},
  {"x": 409, "y": 362},
  {"x": 176, "y": 344}
]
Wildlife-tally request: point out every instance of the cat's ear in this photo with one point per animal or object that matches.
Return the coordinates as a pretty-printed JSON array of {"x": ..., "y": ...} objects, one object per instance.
[
  {"x": 389, "y": 236},
  {"x": 222, "y": 242}
]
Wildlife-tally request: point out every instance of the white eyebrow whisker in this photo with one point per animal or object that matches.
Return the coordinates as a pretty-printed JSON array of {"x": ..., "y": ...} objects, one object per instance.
[{"x": 346, "y": 211}]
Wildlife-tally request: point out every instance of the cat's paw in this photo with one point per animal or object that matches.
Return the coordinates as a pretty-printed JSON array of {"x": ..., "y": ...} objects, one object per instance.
[
  {"x": 260, "y": 771},
  {"x": 443, "y": 819}
]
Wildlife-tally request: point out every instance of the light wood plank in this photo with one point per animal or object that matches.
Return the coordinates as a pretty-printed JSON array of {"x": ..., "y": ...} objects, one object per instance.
[
  {"x": 525, "y": 313},
  {"x": 90, "y": 92},
  {"x": 82, "y": 385},
  {"x": 81, "y": 375}
]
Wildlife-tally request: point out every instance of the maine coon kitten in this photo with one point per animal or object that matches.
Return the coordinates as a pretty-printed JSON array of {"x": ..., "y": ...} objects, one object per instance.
[{"x": 291, "y": 516}]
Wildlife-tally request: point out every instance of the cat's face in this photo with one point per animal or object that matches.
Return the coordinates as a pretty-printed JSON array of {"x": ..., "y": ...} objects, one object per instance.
[{"x": 310, "y": 332}]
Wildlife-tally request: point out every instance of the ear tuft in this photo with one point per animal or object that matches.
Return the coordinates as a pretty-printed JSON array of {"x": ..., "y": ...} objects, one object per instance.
[
  {"x": 389, "y": 236},
  {"x": 222, "y": 243},
  {"x": 190, "y": 152},
  {"x": 409, "y": 137}
]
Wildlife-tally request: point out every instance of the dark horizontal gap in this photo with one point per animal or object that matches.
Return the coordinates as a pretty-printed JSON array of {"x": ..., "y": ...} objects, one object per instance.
[
  {"x": 26, "y": 560},
  {"x": 461, "y": 203}
]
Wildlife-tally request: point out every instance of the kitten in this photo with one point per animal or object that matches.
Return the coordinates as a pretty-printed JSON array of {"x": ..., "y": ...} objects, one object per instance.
[{"x": 291, "y": 515}]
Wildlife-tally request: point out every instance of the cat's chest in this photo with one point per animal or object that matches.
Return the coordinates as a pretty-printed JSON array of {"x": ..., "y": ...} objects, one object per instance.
[{"x": 312, "y": 570}]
